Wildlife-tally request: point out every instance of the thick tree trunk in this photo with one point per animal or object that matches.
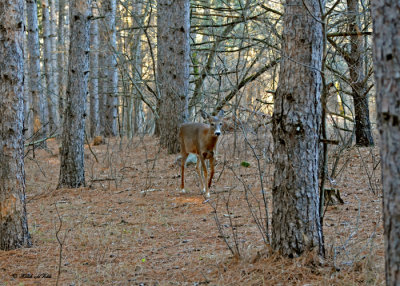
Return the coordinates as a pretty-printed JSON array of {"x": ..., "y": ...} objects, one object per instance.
[
  {"x": 357, "y": 76},
  {"x": 173, "y": 48},
  {"x": 72, "y": 172},
  {"x": 35, "y": 91},
  {"x": 385, "y": 15},
  {"x": 13, "y": 220},
  {"x": 297, "y": 114}
]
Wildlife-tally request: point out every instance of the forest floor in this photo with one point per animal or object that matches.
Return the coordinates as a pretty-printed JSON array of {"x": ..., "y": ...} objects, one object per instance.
[{"x": 132, "y": 226}]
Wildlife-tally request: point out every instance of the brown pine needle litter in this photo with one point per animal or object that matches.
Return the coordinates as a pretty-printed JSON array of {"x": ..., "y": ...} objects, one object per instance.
[{"x": 131, "y": 226}]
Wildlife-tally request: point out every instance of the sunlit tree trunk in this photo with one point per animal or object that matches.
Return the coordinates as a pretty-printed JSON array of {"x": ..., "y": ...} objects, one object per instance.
[
  {"x": 355, "y": 61},
  {"x": 386, "y": 19},
  {"x": 296, "y": 122},
  {"x": 173, "y": 61},
  {"x": 48, "y": 68},
  {"x": 13, "y": 219},
  {"x": 72, "y": 172},
  {"x": 34, "y": 86}
]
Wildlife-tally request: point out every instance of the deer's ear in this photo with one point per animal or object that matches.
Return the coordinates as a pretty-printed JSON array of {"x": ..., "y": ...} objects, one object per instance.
[
  {"x": 204, "y": 114},
  {"x": 221, "y": 114}
]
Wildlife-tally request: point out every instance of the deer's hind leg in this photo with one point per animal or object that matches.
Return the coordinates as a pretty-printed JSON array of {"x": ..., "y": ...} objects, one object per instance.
[
  {"x": 200, "y": 173},
  {"x": 184, "y": 157}
]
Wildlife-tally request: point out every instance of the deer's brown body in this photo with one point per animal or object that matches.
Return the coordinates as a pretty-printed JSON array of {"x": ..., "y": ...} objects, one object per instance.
[{"x": 200, "y": 139}]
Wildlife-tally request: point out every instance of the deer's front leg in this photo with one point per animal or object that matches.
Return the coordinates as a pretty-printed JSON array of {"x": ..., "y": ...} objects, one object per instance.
[{"x": 205, "y": 189}]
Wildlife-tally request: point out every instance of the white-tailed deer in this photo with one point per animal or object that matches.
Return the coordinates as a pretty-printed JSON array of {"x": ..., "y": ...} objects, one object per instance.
[{"x": 200, "y": 139}]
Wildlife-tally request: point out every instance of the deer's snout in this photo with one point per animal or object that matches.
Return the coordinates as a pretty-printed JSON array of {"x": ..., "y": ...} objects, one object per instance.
[{"x": 217, "y": 132}]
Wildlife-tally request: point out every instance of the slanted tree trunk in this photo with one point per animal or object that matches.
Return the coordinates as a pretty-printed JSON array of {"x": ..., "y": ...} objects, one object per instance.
[
  {"x": 72, "y": 172},
  {"x": 355, "y": 61},
  {"x": 35, "y": 91},
  {"x": 94, "y": 78},
  {"x": 386, "y": 19},
  {"x": 48, "y": 68},
  {"x": 296, "y": 122},
  {"x": 13, "y": 220},
  {"x": 173, "y": 60}
]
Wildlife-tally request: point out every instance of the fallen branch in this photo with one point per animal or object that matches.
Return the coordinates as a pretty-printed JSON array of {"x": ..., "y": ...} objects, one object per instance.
[{"x": 41, "y": 140}]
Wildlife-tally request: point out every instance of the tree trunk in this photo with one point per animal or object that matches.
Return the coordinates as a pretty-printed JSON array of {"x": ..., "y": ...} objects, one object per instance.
[
  {"x": 94, "y": 79},
  {"x": 35, "y": 92},
  {"x": 297, "y": 117},
  {"x": 136, "y": 100},
  {"x": 28, "y": 110},
  {"x": 111, "y": 112},
  {"x": 363, "y": 129},
  {"x": 54, "y": 67},
  {"x": 48, "y": 68},
  {"x": 61, "y": 59},
  {"x": 103, "y": 81},
  {"x": 72, "y": 172},
  {"x": 357, "y": 77},
  {"x": 13, "y": 220},
  {"x": 386, "y": 21},
  {"x": 173, "y": 25}
]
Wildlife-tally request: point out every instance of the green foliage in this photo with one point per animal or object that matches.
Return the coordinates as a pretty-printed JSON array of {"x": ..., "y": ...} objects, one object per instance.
[{"x": 245, "y": 164}]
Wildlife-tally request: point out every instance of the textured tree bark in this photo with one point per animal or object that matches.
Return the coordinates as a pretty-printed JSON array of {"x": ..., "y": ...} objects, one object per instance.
[
  {"x": 386, "y": 23},
  {"x": 173, "y": 59},
  {"x": 13, "y": 220},
  {"x": 363, "y": 129},
  {"x": 53, "y": 40},
  {"x": 61, "y": 60},
  {"x": 28, "y": 105},
  {"x": 137, "y": 58},
  {"x": 103, "y": 81},
  {"x": 35, "y": 91},
  {"x": 94, "y": 79},
  {"x": 357, "y": 76},
  {"x": 111, "y": 112},
  {"x": 52, "y": 102},
  {"x": 296, "y": 122},
  {"x": 72, "y": 172}
]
